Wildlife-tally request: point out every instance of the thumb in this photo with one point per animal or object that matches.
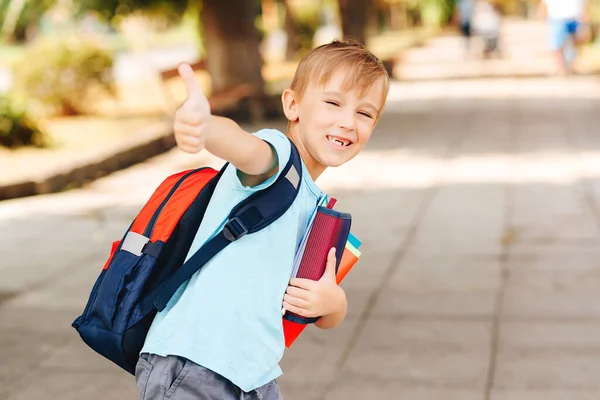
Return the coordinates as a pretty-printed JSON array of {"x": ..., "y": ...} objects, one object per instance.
[
  {"x": 330, "y": 266},
  {"x": 195, "y": 95}
]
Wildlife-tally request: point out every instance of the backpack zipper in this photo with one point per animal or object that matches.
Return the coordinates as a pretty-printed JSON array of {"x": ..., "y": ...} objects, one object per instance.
[{"x": 150, "y": 227}]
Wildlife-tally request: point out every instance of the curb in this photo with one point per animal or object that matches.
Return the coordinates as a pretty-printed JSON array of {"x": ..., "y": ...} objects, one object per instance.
[{"x": 75, "y": 176}]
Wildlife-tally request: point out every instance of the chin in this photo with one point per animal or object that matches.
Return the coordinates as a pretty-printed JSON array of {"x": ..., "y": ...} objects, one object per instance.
[{"x": 335, "y": 161}]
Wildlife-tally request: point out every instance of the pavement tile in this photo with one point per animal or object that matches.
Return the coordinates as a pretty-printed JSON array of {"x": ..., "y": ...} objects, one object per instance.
[
  {"x": 364, "y": 390},
  {"x": 307, "y": 390},
  {"x": 72, "y": 385},
  {"x": 564, "y": 216},
  {"x": 426, "y": 368},
  {"x": 74, "y": 355},
  {"x": 312, "y": 361},
  {"x": 546, "y": 258},
  {"x": 549, "y": 371},
  {"x": 448, "y": 276},
  {"x": 68, "y": 292},
  {"x": 465, "y": 303},
  {"x": 530, "y": 302},
  {"x": 545, "y": 395},
  {"x": 558, "y": 279},
  {"x": 35, "y": 319},
  {"x": 550, "y": 336},
  {"x": 410, "y": 335}
]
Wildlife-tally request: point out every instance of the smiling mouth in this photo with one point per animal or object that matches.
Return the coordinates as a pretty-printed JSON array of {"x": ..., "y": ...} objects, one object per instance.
[{"x": 339, "y": 141}]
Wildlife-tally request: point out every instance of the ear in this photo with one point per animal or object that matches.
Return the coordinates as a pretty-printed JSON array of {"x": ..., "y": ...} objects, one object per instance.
[{"x": 290, "y": 105}]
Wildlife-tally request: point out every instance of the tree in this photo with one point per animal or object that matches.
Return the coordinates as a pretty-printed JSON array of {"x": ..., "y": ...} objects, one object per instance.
[
  {"x": 354, "y": 18},
  {"x": 114, "y": 10},
  {"x": 18, "y": 17},
  {"x": 291, "y": 29},
  {"x": 232, "y": 43},
  {"x": 231, "y": 39}
]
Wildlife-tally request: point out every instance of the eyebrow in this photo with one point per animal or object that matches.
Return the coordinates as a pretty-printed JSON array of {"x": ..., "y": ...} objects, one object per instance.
[{"x": 367, "y": 104}]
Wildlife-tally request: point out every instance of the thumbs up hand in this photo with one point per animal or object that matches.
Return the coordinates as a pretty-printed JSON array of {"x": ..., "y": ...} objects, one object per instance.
[
  {"x": 310, "y": 298},
  {"x": 192, "y": 119}
]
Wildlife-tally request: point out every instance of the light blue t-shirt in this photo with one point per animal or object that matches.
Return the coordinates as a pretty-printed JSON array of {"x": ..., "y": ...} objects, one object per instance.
[{"x": 227, "y": 317}]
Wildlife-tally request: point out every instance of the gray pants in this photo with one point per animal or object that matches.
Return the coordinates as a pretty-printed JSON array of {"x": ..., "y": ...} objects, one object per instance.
[{"x": 177, "y": 378}]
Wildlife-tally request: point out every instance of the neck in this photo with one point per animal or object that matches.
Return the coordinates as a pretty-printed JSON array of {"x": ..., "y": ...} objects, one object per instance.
[{"x": 315, "y": 169}]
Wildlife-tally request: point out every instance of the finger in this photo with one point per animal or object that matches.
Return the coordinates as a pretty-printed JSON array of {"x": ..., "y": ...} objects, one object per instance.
[
  {"x": 296, "y": 301},
  {"x": 189, "y": 149},
  {"x": 185, "y": 141},
  {"x": 297, "y": 310},
  {"x": 330, "y": 265},
  {"x": 195, "y": 95},
  {"x": 188, "y": 137},
  {"x": 190, "y": 144},
  {"x": 297, "y": 292},
  {"x": 187, "y": 116},
  {"x": 301, "y": 283},
  {"x": 191, "y": 131}
]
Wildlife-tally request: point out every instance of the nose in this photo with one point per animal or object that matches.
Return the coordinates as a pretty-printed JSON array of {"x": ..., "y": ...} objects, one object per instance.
[{"x": 348, "y": 121}]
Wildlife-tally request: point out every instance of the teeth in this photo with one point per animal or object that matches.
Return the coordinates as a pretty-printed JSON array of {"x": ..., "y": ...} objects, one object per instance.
[{"x": 338, "y": 141}]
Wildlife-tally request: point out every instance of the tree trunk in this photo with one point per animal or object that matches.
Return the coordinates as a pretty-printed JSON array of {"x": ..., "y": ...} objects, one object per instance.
[
  {"x": 291, "y": 30},
  {"x": 354, "y": 18},
  {"x": 232, "y": 47}
]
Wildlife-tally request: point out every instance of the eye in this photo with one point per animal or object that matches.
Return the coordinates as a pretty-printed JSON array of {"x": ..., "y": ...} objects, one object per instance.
[
  {"x": 333, "y": 103},
  {"x": 365, "y": 114}
]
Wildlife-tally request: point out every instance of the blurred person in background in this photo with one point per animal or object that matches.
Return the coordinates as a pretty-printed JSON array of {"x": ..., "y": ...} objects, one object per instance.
[
  {"x": 564, "y": 18},
  {"x": 463, "y": 15},
  {"x": 486, "y": 25}
]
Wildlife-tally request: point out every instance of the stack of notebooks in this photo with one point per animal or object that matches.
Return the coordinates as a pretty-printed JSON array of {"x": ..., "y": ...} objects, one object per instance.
[{"x": 328, "y": 228}]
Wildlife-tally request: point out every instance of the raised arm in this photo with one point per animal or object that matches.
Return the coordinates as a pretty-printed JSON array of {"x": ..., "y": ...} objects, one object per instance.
[{"x": 196, "y": 128}]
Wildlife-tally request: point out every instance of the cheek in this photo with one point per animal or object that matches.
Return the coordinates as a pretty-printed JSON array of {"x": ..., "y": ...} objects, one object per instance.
[
  {"x": 323, "y": 117},
  {"x": 365, "y": 129}
]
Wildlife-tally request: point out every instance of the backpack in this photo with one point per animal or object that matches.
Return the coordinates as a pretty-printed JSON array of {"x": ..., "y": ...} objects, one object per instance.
[{"x": 146, "y": 267}]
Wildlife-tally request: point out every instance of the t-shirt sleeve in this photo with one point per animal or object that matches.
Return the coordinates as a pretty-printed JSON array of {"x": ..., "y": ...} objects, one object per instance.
[{"x": 281, "y": 145}]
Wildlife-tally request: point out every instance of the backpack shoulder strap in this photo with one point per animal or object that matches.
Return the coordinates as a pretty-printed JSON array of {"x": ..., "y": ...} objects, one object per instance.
[{"x": 251, "y": 215}]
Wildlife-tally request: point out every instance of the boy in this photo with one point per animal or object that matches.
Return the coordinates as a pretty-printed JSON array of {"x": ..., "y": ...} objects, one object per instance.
[{"x": 220, "y": 336}]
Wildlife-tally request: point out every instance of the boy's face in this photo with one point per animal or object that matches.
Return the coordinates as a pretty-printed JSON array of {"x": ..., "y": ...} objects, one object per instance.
[{"x": 334, "y": 125}]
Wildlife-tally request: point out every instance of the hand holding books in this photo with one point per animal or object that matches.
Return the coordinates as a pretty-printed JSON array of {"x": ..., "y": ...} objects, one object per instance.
[
  {"x": 314, "y": 262},
  {"x": 309, "y": 298}
]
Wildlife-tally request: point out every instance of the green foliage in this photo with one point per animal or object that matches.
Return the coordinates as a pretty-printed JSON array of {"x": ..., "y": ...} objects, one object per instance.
[
  {"x": 60, "y": 76},
  {"x": 168, "y": 12},
  {"x": 435, "y": 13},
  {"x": 30, "y": 16},
  {"x": 16, "y": 127},
  {"x": 307, "y": 20},
  {"x": 594, "y": 11}
]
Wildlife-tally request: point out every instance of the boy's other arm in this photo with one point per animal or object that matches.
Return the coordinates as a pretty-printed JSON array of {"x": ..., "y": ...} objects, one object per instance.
[
  {"x": 334, "y": 319},
  {"x": 196, "y": 128}
]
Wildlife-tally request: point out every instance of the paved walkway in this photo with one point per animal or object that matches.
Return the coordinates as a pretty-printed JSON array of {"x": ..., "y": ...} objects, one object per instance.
[
  {"x": 480, "y": 279},
  {"x": 524, "y": 54},
  {"x": 478, "y": 203}
]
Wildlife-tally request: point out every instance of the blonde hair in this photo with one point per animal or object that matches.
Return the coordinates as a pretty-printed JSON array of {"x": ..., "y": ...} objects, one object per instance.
[{"x": 319, "y": 65}]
